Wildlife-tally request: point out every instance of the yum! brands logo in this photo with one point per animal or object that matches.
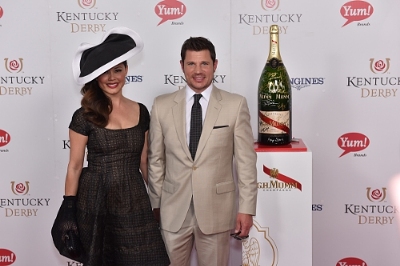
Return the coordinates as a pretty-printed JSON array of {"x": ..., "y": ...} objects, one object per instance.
[
  {"x": 170, "y": 10},
  {"x": 381, "y": 86},
  {"x": 7, "y": 257},
  {"x": 356, "y": 11},
  {"x": 278, "y": 182},
  {"x": 353, "y": 142},
  {"x": 376, "y": 211},
  {"x": 5, "y": 138},
  {"x": 351, "y": 261}
]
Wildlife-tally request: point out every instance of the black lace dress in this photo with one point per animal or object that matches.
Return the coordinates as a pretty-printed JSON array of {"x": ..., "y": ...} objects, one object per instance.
[{"x": 115, "y": 220}]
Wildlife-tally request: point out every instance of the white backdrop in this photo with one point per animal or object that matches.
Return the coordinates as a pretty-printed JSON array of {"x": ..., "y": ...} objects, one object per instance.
[{"x": 344, "y": 61}]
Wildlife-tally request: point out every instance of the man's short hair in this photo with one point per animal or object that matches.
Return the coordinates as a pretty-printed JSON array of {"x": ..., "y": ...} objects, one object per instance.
[{"x": 198, "y": 44}]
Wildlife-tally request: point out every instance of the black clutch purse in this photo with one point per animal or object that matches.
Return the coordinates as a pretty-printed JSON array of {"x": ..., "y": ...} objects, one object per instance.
[
  {"x": 65, "y": 233},
  {"x": 73, "y": 244}
]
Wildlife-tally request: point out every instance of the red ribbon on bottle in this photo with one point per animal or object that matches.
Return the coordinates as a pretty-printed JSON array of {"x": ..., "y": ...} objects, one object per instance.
[
  {"x": 282, "y": 178},
  {"x": 273, "y": 123}
]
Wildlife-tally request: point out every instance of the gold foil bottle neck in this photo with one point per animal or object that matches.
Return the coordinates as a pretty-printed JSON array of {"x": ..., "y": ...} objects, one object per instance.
[
  {"x": 274, "y": 29},
  {"x": 274, "y": 43}
]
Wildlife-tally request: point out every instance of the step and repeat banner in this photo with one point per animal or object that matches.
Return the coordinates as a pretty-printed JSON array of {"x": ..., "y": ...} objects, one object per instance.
[{"x": 343, "y": 58}]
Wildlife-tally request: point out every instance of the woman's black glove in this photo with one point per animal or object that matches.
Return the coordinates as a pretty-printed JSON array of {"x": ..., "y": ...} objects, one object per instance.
[{"x": 68, "y": 207}]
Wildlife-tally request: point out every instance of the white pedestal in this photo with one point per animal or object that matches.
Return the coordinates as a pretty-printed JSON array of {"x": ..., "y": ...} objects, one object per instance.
[{"x": 282, "y": 230}]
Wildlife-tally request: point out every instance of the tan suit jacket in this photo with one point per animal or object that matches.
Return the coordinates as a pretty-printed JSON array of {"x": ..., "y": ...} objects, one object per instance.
[{"x": 174, "y": 177}]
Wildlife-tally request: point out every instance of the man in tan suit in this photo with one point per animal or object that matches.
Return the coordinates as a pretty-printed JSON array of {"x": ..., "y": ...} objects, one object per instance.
[{"x": 193, "y": 191}]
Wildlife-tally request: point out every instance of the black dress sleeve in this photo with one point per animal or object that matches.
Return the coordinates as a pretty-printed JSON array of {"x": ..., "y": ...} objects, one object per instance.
[
  {"x": 79, "y": 124},
  {"x": 144, "y": 116}
]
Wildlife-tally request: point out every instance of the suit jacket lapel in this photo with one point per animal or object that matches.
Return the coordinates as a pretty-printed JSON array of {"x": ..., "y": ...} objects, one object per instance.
[
  {"x": 213, "y": 109},
  {"x": 179, "y": 112}
]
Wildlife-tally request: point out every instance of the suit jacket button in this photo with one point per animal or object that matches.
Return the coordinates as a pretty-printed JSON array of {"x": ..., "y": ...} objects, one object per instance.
[{"x": 194, "y": 168}]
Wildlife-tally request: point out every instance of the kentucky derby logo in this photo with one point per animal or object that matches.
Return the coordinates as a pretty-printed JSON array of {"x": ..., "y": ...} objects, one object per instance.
[
  {"x": 13, "y": 66},
  {"x": 376, "y": 195},
  {"x": 270, "y": 5},
  {"x": 20, "y": 188},
  {"x": 259, "y": 247},
  {"x": 87, "y": 4},
  {"x": 379, "y": 66}
]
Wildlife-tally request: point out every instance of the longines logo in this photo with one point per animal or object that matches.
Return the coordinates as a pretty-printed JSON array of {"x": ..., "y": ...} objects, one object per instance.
[
  {"x": 260, "y": 23},
  {"x": 180, "y": 81},
  {"x": 375, "y": 213},
  {"x": 299, "y": 83},
  {"x": 93, "y": 22},
  {"x": 170, "y": 10},
  {"x": 279, "y": 182},
  {"x": 259, "y": 247},
  {"x": 133, "y": 79},
  {"x": 23, "y": 206},
  {"x": 381, "y": 86},
  {"x": 17, "y": 85}
]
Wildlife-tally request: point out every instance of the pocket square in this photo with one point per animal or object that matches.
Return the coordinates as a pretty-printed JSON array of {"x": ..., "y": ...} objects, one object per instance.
[{"x": 216, "y": 127}]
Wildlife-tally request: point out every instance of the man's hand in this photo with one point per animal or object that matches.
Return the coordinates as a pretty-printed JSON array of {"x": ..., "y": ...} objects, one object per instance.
[{"x": 243, "y": 224}]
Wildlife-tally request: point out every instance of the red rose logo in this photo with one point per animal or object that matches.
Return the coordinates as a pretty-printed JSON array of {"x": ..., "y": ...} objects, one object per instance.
[
  {"x": 270, "y": 3},
  {"x": 379, "y": 65},
  {"x": 1, "y": 12},
  {"x": 87, "y": 3},
  {"x": 14, "y": 65},
  {"x": 20, "y": 188},
  {"x": 376, "y": 194}
]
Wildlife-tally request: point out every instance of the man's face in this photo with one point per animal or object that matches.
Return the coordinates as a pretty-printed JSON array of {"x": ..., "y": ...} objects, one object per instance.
[{"x": 199, "y": 69}]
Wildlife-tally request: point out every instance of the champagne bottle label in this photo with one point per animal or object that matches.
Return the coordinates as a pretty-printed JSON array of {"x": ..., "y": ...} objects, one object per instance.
[{"x": 274, "y": 122}]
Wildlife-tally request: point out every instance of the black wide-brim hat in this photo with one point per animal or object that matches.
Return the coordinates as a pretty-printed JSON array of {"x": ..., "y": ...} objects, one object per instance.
[{"x": 118, "y": 45}]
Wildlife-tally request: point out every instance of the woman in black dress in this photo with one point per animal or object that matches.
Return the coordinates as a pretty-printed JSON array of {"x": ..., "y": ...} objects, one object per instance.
[{"x": 114, "y": 218}]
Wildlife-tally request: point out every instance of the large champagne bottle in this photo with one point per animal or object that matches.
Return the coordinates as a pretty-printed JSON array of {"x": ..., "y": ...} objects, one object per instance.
[{"x": 274, "y": 98}]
